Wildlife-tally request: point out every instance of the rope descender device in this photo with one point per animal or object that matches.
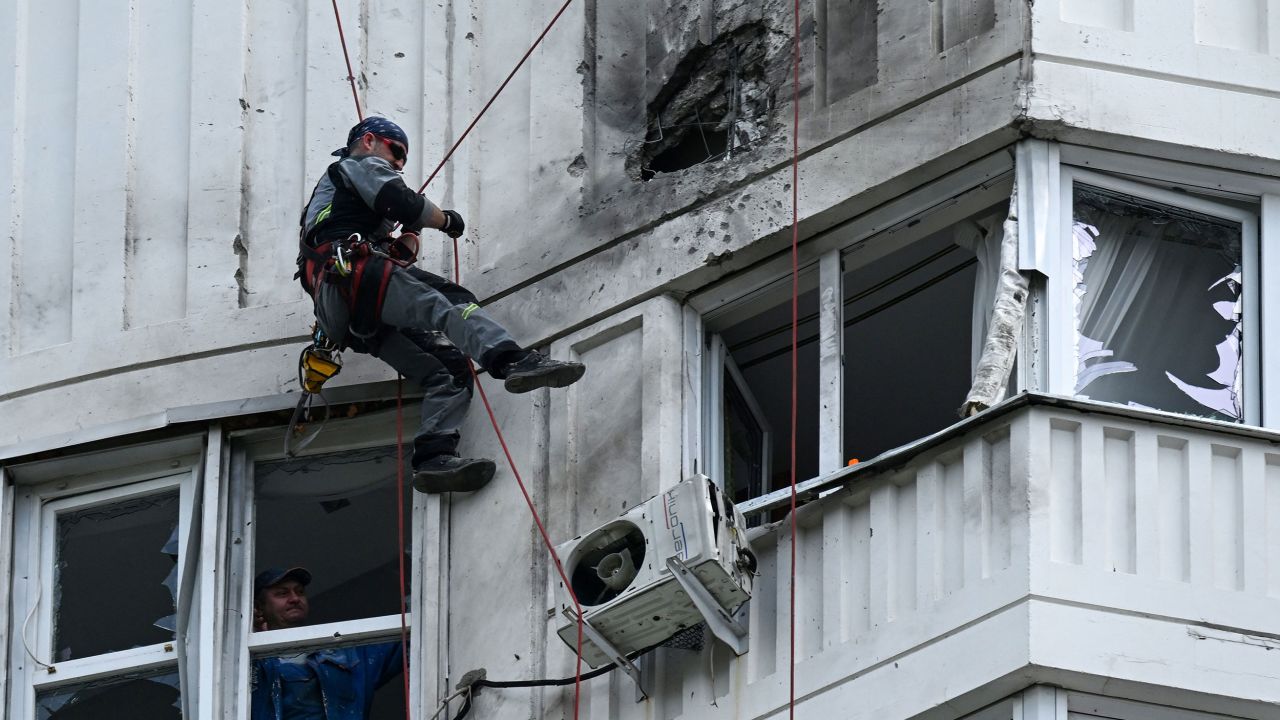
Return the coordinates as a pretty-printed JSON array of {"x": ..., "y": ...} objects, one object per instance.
[{"x": 318, "y": 362}]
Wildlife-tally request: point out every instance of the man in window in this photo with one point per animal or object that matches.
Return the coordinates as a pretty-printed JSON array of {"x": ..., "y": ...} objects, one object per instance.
[
  {"x": 332, "y": 684},
  {"x": 370, "y": 297}
]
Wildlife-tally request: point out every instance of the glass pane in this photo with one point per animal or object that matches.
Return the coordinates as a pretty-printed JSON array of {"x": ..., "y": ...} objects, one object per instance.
[
  {"x": 370, "y": 680},
  {"x": 116, "y": 576},
  {"x": 1158, "y": 305},
  {"x": 760, "y": 345},
  {"x": 743, "y": 446},
  {"x": 335, "y": 515},
  {"x": 153, "y": 697},
  {"x": 910, "y": 337}
]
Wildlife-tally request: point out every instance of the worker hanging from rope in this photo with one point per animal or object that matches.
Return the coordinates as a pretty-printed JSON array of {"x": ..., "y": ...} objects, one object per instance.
[{"x": 369, "y": 297}]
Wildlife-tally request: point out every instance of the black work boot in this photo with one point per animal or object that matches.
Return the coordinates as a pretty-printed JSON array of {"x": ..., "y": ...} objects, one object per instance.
[
  {"x": 536, "y": 370},
  {"x": 450, "y": 473}
]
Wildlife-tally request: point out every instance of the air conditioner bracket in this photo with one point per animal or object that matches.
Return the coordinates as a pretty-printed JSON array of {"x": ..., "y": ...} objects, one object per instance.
[
  {"x": 722, "y": 625},
  {"x": 620, "y": 659}
]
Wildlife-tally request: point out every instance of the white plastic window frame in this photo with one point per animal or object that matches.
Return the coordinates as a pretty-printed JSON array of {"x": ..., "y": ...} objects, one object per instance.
[
  {"x": 719, "y": 365},
  {"x": 250, "y": 448},
  {"x": 35, "y": 511},
  {"x": 930, "y": 207},
  {"x": 1059, "y": 166}
]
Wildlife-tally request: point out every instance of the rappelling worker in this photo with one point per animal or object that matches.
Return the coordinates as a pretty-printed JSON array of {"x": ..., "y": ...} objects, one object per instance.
[{"x": 371, "y": 298}]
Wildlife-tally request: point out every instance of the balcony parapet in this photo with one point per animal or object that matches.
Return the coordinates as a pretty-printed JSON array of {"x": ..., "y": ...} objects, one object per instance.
[{"x": 1101, "y": 548}]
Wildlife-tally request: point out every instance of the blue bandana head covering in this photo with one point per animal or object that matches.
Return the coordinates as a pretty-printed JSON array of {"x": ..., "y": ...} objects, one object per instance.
[{"x": 379, "y": 126}]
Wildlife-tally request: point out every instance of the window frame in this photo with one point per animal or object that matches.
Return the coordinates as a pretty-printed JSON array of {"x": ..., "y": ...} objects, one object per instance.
[
  {"x": 1170, "y": 183},
  {"x": 42, "y": 490},
  {"x": 718, "y": 366},
  {"x": 243, "y": 644},
  {"x": 823, "y": 260}
]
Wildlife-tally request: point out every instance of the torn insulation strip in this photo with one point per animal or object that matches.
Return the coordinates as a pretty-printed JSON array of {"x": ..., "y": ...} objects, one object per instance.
[{"x": 991, "y": 376}]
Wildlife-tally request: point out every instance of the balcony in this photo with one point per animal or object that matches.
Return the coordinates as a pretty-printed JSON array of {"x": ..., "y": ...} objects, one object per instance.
[{"x": 1099, "y": 548}]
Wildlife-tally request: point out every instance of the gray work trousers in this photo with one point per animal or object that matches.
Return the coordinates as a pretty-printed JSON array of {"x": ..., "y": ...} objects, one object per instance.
[{"x": 429, "y": 327}]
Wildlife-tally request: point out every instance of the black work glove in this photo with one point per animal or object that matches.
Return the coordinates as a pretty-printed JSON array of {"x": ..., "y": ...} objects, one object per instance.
[{"x": 453, "y": 225}]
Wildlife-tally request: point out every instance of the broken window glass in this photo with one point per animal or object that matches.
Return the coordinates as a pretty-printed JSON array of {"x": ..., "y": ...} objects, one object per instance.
[
  {"x": 115, "y": 576},
  {"x": 375, "y": 667},
  {"x": 1157, "y": 305},
  {"x": 335, "y": 515},
  {"x": 139, "y": 697}
]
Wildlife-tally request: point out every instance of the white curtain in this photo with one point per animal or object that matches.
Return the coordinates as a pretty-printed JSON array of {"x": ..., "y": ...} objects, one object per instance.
[
  {"x": 1158, "y": 313},
  {"x": 982, "y": 238}
]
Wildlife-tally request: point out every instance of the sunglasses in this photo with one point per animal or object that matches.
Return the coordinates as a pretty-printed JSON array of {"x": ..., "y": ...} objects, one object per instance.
[{"x": 397, "y": 150}]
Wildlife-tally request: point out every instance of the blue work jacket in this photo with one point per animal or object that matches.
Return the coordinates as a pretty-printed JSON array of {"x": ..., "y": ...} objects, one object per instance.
[{"x": 347, "y": 678}]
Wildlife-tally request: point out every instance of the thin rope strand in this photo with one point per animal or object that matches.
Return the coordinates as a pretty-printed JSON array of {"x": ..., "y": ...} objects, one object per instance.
[
  {"x": 496, "y": 93},
  {"x": 795, "y": 323},
  {"x": 351, "y": 78}
]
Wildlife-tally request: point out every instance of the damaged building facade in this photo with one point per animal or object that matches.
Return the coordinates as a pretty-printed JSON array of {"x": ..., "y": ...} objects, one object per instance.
[{"x": 1096, "y": 536}]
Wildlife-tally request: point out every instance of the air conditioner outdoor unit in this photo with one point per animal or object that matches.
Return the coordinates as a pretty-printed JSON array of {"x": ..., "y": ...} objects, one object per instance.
[{"x": 675, "y": 560}]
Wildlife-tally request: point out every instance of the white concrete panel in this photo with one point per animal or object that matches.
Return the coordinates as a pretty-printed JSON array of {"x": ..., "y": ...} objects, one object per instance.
[
  {"x": 1174, "y": 509},
  {"x": 501, "y": 149},
  {"x": 102, "y": 169},
  {"x": 1153, "y": 652},
  {"x": 1228, "y": 518},
  {"x": 43, "y": 257},
  {"x": 274, "y": 138},
  {"x": 1115, "y": 14},
  {"x": 1271, "y": 478},
  {"x": 1234, "y": 24},
  {"x": 1065, "y": 499},
  {"x": 1121, "y": 511},
  {"x": 12, "y": 41},
  {"x": 156, "y": 237}
]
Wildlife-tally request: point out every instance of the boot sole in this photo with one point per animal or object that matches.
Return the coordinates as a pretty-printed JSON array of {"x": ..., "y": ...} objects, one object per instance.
[
  {"x": 555, "y": 378},
  {"x": 468, "y": 478}
]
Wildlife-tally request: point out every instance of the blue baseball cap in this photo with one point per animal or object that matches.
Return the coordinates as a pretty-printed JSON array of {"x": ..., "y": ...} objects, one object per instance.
[
  {"x": 379, "y": 126},
  {"x": 275, "y": 576}
]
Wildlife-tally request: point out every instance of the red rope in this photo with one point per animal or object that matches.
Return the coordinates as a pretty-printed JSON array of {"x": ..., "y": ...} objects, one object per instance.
[
  {"x": 351, "y": 78},
  {"x": 496, "y": 93},
  {"x": 404, "y": 625},
  {"x": 577, "y": 687},
  {"x": 542, "y": 530},
  {"x": 795, "y": 323}
]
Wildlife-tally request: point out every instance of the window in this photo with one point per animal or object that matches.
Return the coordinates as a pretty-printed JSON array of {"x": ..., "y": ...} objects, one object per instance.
[
  {"x": 97, "y": 618},
  {"x": 333, "y": 514},
  {"x": 914, "y": 321},
  {"x": 1160, "y": 299},
  {"x": 886, "y": 359},
  {"x": 749, "y": 364}
]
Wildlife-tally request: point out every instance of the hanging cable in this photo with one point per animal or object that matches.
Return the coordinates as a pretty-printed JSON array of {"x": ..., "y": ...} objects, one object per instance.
[
  {"x": 795, "y": 322},
  {"x": 351, "y": 77},
  {"x": 404, "y": 625}
]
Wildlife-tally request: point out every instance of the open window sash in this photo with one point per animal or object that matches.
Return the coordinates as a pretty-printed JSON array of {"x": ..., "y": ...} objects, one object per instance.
[{"x": 739, "y": 438}]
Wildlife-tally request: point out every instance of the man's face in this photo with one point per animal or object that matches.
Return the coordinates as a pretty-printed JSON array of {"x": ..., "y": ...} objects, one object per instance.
[
  {"x": 283, "y": 605},
  {"x": 387, "y": 149}
]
